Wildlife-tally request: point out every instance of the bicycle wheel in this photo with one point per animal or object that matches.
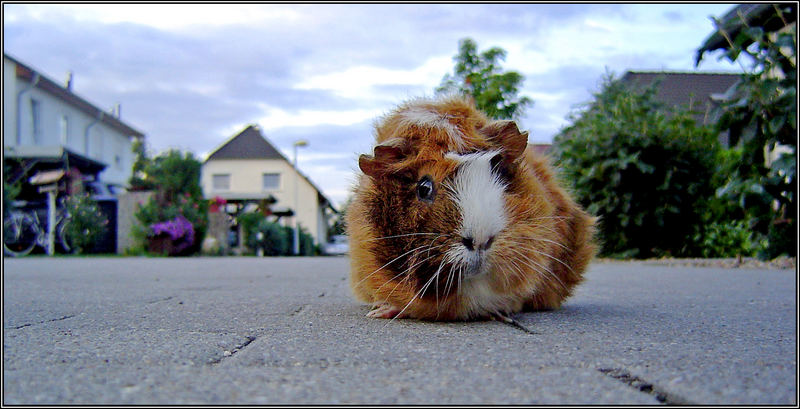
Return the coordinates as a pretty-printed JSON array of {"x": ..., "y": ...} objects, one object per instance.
[
  {"x": 19, "y": 234},
  {"x": 62, "y": 241}
]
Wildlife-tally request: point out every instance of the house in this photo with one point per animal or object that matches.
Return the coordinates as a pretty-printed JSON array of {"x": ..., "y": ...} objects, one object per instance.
[
  {"x": 44, "y": 122},
  {"x": 248, "y": 169},
  {"x": 696, "y": 91}
]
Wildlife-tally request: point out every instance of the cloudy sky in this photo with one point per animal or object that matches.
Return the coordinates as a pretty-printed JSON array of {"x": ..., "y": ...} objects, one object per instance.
[{"x": 191, "y": 76}]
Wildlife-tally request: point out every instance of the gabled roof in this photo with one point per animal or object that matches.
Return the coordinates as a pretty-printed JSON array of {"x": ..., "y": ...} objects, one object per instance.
[
  {"x": 248, "y": 144},
  {"x": 251, "y": 144},
  {"x": 28, "y": 74},
  {"x": 678, "y": 88}
]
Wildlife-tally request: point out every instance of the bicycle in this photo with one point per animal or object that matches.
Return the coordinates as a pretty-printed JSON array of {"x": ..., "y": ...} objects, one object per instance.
[{"x": 23, "y": 230}]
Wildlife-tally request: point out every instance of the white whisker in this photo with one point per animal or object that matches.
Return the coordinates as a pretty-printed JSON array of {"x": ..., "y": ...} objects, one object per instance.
[
  {"x": 412, "y": 300},
  {"x": 528, "y": 261},
  {"x": 404, "y": 235},
  {"x": 408, "y": 270},
  {"x": 393, "y": 260}
]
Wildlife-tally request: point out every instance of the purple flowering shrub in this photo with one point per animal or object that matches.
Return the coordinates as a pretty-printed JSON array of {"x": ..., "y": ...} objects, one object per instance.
[
  {"x": 179, "y": 229},
  {"x": 175, "y": 217}
]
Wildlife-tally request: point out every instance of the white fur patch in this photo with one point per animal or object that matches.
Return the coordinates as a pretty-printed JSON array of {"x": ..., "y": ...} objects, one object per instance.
[
  {"x": 478, "y": 298},
  {"x": 480, "y": 196},
  {"x": 431, "y": 119}
]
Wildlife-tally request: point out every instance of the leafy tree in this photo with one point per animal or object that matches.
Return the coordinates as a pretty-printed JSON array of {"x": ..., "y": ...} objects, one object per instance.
[
  {"x": 760, "y": 115},
  {"x": 176, "y": 178},
  {"x": 646, "y": 170},
  {"x": 138, "y": 180},
  {"x": 480, "y": 75}
]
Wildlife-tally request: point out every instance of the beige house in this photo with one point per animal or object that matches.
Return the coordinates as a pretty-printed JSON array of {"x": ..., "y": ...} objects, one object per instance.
[{"x": 247, "y": 170}]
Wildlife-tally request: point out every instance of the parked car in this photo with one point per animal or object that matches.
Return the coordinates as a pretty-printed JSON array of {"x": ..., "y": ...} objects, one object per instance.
[{"x": 338, "y": 245}]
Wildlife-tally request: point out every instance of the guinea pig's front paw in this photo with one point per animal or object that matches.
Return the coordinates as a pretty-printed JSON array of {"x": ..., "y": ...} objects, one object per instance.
[{"x": 384, "y": 310}]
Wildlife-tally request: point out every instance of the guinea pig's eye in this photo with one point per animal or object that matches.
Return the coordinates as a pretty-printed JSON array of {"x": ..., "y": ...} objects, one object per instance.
[{"x": 425, "y": 189}]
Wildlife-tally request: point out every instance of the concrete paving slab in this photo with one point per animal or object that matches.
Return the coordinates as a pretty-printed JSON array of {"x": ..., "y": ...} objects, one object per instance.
[{"x": 287, "y": 331}]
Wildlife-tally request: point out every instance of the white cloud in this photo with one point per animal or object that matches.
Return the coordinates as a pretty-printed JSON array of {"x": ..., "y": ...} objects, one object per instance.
[
  {"x": 360, "y": 81},
  {"x": 170, "y": 17},
  {"x": 275, "y": 118}
]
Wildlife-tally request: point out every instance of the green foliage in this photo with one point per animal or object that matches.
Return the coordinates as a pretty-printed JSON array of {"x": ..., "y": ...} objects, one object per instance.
[
  {"x": 275, "y": 239},
  {"x": 87, "y": 223},
  {"x": 270, "y": 237},
  {"x": 760, "y": 114},
  {"x": 307, "y": 247},
  {"x": 338, "y": 227},
  {"x": 139, "y": 180},
  {"x": 729, "y": 239},
  {"x": 247, "y": 222},
  {"x": 305, "y": 241},
  {"x": 176, "y": 178},
  {"x": 646, "y": 170},
  {"x": 480, "y": 75}
]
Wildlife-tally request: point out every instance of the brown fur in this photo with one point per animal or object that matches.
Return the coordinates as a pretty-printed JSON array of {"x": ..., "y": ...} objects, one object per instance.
[{"x": 536, "y": 260}]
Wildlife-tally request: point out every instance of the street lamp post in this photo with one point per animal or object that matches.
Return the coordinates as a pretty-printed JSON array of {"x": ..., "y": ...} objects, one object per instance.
[{"x": 299, "y": 143}]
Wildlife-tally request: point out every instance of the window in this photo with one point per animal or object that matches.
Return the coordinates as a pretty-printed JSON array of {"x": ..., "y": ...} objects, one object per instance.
[
  {"x": 64, "y": 127},
  {"x": 271, "y": 181},
  {"x": 221, "y": 182},
  {"x": 36, "y": 121}
]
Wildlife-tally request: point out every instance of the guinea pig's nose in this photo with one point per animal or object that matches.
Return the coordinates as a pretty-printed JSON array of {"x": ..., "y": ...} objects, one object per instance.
[{"x": 469, "y": 243}]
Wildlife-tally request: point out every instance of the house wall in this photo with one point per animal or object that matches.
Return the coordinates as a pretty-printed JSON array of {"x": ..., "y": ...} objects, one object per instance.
[
  {"x": 9, "y": 97},
  {"x": 246, "y": 178},
  {"x": 104, "y": 144}
]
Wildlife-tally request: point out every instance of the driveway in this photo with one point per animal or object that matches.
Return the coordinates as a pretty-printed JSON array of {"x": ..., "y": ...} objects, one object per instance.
[{"x": 246, "y": 330}]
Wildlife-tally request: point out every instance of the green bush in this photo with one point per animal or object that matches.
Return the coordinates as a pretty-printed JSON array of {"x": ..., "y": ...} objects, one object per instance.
[
  {"x": 760, "y": 115},
  {"x": 276, "y": 240},
  {"x": 305, "y": 241},
  {"x": 247, "y": 222},
  {"x": 86, "y": 224},
  {"x": 269, "y": 236},
  {"x": 731, "y": 239},
  {"x": 646, "y": 170},
  {"x": 176, "y": 178}
]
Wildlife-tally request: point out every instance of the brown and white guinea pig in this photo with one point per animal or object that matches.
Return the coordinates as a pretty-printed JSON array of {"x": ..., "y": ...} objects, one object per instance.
[{"x": 454, "y": 218}]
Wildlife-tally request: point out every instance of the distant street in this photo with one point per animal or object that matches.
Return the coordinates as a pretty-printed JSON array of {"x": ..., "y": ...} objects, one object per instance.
[{"x": 252, "y": 330}]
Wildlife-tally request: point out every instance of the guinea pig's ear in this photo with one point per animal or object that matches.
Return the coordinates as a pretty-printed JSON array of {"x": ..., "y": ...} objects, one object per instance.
[
  {"x": 506, "y": 135},
  {"x": 384, "y": 156}
]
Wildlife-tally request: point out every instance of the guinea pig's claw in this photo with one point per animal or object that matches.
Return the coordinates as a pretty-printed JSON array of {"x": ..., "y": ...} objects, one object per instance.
[{"x": 384, "y": 310}]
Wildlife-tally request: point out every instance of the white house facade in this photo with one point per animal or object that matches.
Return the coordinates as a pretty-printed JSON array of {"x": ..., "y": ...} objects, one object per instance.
[
  {"x": 39, "y": 113},
  {"x": 249, "y": 168}
]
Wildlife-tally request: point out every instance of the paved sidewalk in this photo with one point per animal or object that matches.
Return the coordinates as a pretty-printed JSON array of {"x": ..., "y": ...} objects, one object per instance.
[{"x": 286, "y": 331}]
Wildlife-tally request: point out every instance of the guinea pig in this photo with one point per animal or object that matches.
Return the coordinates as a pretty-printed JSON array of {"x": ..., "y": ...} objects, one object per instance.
[{"x": 455, "y": 218}]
